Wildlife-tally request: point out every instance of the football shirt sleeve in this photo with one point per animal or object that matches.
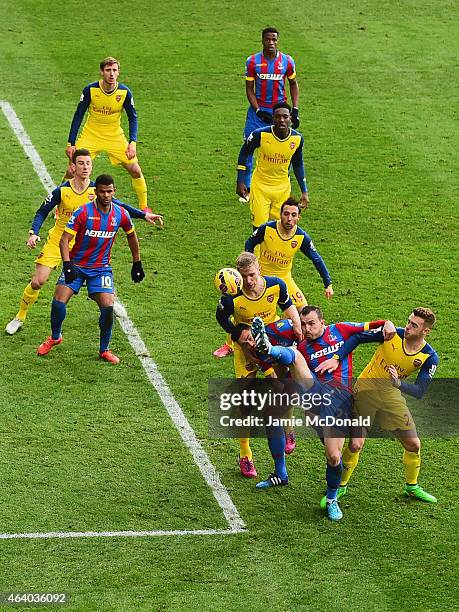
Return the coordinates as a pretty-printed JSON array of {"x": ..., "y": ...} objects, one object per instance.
[
  {"x": 53, "y": 199},
  {"x": 225, "y": 309},
  {"x": 251, "y": 143},
  {"x": 298, "y": 168},
  {"x": 291, "y": 68},
  {"x": 284, "y": 298},
  {"x": 131, "y": 112},
  {"x": 82, "y": 107},
  {"x": 307, "y": 248},
  {"x": 256, "y": 238},
  {"x": 374, "y": 335},
  {"x": 423, "y": 379},
  {"x": 126, "y": 222},
  {"x": 135, "y": 213}
]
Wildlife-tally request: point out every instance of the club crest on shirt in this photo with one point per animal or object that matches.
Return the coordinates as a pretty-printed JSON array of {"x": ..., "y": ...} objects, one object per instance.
[
  {"x": 118, "y": 98},
  {"x": 91, "y": 197},
  {"x": 294, "y": 243},
  {"x": 417, "y": 363},
  {"x": 270, "y": 298},
  {"x": 113, "y": 221},
  {"x": 292, "y": 145}
]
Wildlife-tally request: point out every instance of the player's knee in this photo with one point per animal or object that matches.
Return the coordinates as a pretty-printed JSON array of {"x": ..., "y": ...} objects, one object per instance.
[
  {"x": 37, "y": 282},
  {"x": 333, "y": 458},
  {"x": 134, "y": 170},
  {"x": 356, "y": 444},
  {"x": 413, "y": 445}
]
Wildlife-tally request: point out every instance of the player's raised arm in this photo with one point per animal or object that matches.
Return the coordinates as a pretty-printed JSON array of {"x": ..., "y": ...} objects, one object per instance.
[{"x": 136, "y": 213}]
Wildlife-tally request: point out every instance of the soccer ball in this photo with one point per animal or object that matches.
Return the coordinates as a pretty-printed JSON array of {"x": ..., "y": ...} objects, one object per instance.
[{"x": 228, "y": 281}]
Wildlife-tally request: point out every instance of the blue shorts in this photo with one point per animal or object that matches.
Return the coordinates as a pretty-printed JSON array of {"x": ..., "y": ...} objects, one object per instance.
[
  {"x": 334, "y": 405},
  {"x": 252, "y": 122},
  {"x": 97, "y": 280}
]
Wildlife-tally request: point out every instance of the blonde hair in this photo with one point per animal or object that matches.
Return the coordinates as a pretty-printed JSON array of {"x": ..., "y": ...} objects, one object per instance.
[{"x": 245, "y": 260}]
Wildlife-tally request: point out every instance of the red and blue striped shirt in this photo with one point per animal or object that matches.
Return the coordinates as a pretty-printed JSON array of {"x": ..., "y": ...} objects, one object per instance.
[
  {"x": 95, "y": 234},
  {"x": 269, "y": 76}
]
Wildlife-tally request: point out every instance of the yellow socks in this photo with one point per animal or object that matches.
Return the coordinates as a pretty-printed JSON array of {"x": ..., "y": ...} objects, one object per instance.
[
  {"x": 412, "y": 463},
  {"x": 244, "y": 448},
  {"x": 140, "y": 187},
  {"x": 29, "y": 297},
  {"x": 350, "y": 461}
]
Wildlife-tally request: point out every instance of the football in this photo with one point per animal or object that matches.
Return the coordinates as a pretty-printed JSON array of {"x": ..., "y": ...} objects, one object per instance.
[{"x": 228, "y": 281}]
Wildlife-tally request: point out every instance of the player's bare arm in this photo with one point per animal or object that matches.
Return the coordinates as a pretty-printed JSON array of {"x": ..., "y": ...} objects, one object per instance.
[
  {"x": 64, "y": 245},
  {"x": 292, "y": 313}
]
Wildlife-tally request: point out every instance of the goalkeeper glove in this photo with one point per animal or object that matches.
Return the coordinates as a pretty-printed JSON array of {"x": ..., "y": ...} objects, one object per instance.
[
  {"x": 137, "y": 273},
  {"x": 264, "y": 116},
  {"x": 70, "y": 274},
  {"x": 295, "y": 118}
]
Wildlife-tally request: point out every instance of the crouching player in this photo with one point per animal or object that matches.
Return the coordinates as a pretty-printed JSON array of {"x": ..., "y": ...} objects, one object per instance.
[{"x": 320, "y": 342}]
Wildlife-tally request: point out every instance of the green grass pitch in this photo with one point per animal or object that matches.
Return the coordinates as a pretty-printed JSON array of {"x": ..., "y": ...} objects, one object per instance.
[{"x": 88, "y": 447}]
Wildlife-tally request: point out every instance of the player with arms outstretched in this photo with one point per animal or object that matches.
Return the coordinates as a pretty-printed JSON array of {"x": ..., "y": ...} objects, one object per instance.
[
  {"x": 259, "y": 297},
  {"x": 105, "y": 101},
  {"x": 93, "y": 227},
  {"x": 378, "y": 392},
  {"x": 66, "y": 198},
  {"x": 279, "y": 146}
]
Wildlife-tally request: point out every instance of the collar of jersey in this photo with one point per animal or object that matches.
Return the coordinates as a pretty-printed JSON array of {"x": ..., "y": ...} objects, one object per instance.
[
  {"x": 104, "y": 92},
  {"x": 411, "y": 354},
  {"x": 285, "y": 239},
  {"x": 261, "y": 294},
  {"x": 270, "y": 60},
  {"x": 281, "y": 139},
  {"x": 79, "y": 192}
]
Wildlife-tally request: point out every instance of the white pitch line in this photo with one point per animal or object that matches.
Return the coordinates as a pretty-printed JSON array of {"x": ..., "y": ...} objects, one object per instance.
[
  {"x": 175, "y": 412},
  {"x": 116, "y": 534}
]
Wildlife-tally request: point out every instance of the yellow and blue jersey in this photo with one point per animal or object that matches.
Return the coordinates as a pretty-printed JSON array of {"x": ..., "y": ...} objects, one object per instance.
[
  {"x": 277, "y": 253},
  {"x": 67, "y": 200},
  {"x": 104, "y": 113},
  {"x": 394, "y": 353},
  {"x": 235, "y": 309},
  {"x": 274, "y": 157}
]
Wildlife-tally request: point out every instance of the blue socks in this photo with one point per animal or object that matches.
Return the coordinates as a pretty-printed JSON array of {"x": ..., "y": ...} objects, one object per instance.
[
  {"x": 282, "y": 354},
  {"x": 333, "y": 476},
  {"x": 58, "y": 312},
  {"x": 276, "y": 443},
  {"x": 106, "y": 326}
]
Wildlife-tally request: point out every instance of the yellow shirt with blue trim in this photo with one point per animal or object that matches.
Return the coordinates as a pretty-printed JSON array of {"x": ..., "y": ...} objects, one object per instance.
[
  {"x": 277, "y": 253},
  {"x": 243, "y": 309}
]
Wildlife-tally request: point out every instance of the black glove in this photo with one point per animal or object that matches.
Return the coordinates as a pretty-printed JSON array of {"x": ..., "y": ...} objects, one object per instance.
[
  {"x": 264, "y": 116},
  {"x": 295, "y": 118},
  {"x": 137, "y": 273},
  {"x": 70, "y": 274}
]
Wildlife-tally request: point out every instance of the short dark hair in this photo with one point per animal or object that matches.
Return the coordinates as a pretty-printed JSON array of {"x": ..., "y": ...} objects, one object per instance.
[
  {"x": 105, "y": 179},
  {"x": 282, "y": 105},
  {"x": 80, "y": 153},
  {"x": 109, "y": 61},
  {"x": 269, "y": 31},
  {"x": 309, "y": 308},
  {"x": 291, "y": 202},
  {"x": 427, "y": 315}
]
